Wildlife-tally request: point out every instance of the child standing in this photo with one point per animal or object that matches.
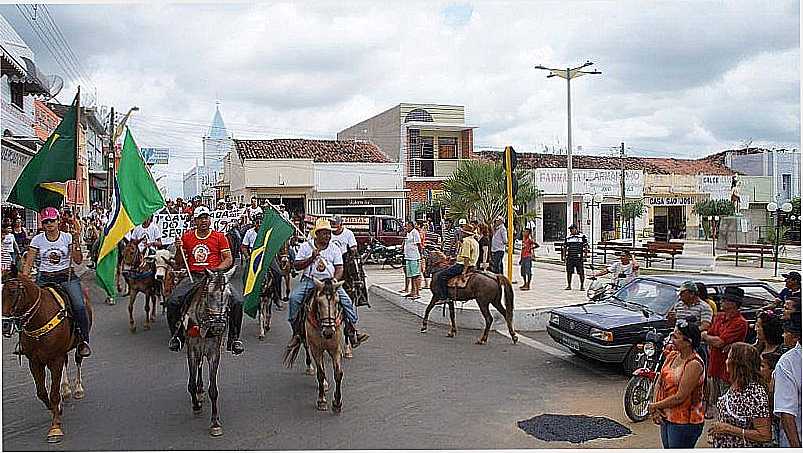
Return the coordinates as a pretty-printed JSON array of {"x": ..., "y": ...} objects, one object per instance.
[{"x": 526, "y": 262}]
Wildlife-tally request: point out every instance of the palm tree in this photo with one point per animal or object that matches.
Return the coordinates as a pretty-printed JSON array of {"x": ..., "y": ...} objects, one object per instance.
[{"x": 476, "y": 190}]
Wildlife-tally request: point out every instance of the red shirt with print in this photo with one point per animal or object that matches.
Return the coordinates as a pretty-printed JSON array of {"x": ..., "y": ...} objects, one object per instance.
[
  {"x": 527, "y": 248},
  {"x": 730, "y": 329},
  {"x": 204, "y": 253}
]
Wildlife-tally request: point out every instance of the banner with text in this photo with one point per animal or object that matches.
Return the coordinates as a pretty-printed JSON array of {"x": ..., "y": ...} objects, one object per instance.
[{"x": 552, "y": 181}]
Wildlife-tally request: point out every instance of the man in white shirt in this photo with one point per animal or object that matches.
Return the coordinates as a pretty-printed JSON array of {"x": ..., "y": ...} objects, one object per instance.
[
  {"x": 624, "y": 271},
  {"x": 498, "y": 244},
  {"x": 320, "y": 259},
  {"x": 787, "y": 377},
  {"x": 252, "y": 210},
  {"x": 149, "y": 233},
  {"x": 412, "y": 258}
]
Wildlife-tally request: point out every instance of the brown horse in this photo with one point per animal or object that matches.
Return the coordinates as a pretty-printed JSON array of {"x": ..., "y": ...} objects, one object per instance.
[
  {"x": 46, "y": 336},
  {"x": 286, "y": 267},
  {"x": 324, "y": 331},
  {"x": 484, "y": 287},
  {"x": 140, "y": 276}
]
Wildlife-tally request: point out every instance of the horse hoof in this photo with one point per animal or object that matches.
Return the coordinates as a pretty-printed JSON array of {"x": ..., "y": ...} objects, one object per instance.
[
  {"x": 132, "y": 329},
  {"x": 481, "y": 341},
  {"x": 325, "y": 386},
  {"x": 79, "y": 394},
  {"x": 110, "y": 301},
  {"x": 515, "y": 339},
  {"x": 261, "y": 337},
  {"x": 146, "y": 327},
  {"x": 216, "y": 431},
  {"x": 451, "y": 334},
  {"x": 66, "y": 393},
  {"x": 197, "y": 410},
  {"x": 423, "y": 329},
  {"x": 322, "y": 406},
  {"x": 310, "y": 371},
  {"x": 337, "y": 408},
  {"x": 55, "y": 435}
]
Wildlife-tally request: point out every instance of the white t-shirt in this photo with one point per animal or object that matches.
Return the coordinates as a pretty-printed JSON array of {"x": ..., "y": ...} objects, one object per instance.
[
  {"x": 8, "y": 249},
  {"x": 251, "y": 211},
  {"x": 411, "y": 242},
  {"x": 153, "y": 232},
  {"x": 250, "y": 238},
  {"x": 55, "y": 256},
  {"x": 787, "y": 376},
  {"x": 324, "y": 266},
  {"x": 618, "y": 268},
  {"x": 344, "y": 240}
]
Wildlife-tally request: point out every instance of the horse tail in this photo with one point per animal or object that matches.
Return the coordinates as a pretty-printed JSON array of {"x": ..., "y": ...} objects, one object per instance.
[
  {"x": 508, "y": 290},
  {"x": 290, "y": 355}
]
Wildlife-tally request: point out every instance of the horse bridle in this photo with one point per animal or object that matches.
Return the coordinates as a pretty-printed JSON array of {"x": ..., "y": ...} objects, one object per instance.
[
  {"x": 215, "y": 320},
  {"x": 331, "y": 320},
  {"x": 19, "y": 322}
]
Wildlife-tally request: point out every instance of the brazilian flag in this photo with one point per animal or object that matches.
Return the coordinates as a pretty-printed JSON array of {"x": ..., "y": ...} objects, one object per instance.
[{"x": 273, "y": 233}]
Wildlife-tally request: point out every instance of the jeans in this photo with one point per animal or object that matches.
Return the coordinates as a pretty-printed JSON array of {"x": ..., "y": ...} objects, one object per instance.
[
  {"x": 441, "y": 286},
  {"x": 496, "y": 261},
  {"x": 178, "y": 298},
  {"x": 674, "y": 435},
  {"x": 73, "y": 288},
  {"x": 300, "y": 291}
]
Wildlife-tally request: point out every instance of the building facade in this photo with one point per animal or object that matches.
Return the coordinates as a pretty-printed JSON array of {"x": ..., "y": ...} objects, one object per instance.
[
  {"x": 762, "y": 162},
  {"x": 428, "y": 140},
  {"x": 322, "y": 177},
  {"x": 205, "y": 178}
]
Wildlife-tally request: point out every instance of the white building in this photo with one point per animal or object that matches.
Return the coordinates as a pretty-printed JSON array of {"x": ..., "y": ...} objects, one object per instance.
[{"x": 202, "y": 178}]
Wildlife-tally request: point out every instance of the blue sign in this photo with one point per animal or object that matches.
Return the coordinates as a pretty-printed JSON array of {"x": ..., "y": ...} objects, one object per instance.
[{"x": 154, "y": 156}]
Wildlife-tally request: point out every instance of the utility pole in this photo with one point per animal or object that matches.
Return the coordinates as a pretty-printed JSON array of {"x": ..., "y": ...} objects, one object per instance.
[
  {"x": 569, "y": 74},
  {"x": 110, "y": 162},
  {"x": 622, "y": 207}
]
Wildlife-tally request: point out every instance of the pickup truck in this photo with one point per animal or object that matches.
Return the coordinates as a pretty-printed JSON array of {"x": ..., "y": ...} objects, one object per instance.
[{"x": 387, "y": 229}]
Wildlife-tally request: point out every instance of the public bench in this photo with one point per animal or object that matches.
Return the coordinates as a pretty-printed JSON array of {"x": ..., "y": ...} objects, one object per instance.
[
  {"x": 751, "y": 249},
  {"x": 666, "y": 248}
]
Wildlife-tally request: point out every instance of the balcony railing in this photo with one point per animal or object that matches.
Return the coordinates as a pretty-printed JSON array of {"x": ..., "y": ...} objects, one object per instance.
[{"x": 432, "y": 168}]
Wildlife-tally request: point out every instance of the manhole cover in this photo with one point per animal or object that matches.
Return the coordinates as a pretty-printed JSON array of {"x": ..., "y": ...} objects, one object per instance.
[{"x": 572, "y": 428}]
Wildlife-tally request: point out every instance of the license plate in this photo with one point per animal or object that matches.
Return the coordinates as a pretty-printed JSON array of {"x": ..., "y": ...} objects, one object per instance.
[{"x": 571, "y": 344}]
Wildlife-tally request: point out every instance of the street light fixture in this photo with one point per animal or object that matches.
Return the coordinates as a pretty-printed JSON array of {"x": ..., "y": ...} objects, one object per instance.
[
  {"x": 591, "y": 202},
  {"x": 776, "y": 210},
  {"x": 569, "y": 74}
]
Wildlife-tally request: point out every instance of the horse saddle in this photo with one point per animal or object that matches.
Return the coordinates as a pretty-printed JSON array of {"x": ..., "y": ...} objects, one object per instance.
[
  {"x": 65, "y": 301},
  {"x": 460, "y": 281}
]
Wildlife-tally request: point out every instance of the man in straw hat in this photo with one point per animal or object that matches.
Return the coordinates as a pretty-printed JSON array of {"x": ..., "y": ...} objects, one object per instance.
[
  {"x": 320, "y": 258},
  {"x": 467, "y": 258}
]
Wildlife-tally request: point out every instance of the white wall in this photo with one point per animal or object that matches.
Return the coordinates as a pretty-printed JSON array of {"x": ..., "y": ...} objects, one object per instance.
[{"x": 345, "y": 177}]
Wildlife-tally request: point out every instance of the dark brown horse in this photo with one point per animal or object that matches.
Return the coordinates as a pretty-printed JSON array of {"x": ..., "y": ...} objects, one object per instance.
[
  {"x": 140, "y": 276},
  {"x": 286, "y": 267},
  {"x": 267, "y": 298},
  {"x": 46, "y": 336},
  {"x": 484, "y": 287}
]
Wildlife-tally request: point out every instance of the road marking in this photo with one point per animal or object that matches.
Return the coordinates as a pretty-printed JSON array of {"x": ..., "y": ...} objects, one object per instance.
[{"x": 535, "y": 344}]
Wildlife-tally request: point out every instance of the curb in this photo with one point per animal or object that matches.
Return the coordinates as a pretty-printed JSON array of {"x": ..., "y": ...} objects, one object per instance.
[{"x": 531, "y": 319}]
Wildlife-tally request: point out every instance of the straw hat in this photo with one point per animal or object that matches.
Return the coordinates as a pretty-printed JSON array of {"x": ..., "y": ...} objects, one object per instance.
[{"x": 321, "y": 224}]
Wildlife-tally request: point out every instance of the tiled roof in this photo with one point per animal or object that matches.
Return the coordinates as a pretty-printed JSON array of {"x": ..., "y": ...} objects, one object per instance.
[
  {"x": 663, "y": 166},
  {"x": 317, "y": 150}
]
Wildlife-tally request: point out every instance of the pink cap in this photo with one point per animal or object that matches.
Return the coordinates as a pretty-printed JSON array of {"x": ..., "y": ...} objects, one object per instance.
[{"x": 49, "y": 214}]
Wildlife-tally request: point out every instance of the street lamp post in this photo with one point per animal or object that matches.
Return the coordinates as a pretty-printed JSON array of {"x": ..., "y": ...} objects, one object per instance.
[
  {"x": 592, "y": 201},
  {"x": 776, "y": 210},
  {"x": 569, "y": 74},
  {"x": 114, "y": 134},
  {"x": 713, "y": 222}
]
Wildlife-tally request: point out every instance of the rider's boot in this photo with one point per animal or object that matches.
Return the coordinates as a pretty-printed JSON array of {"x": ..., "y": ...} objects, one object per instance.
[
  {"x": 83, "y": 349},
  {"x": 177, "y": 340},
  {"x": 235, "y": 345},
  {"x": 355, "y": 338}
]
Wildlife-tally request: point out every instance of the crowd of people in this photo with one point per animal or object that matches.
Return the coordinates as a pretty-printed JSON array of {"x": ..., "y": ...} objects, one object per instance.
[{"x": 752, "y": 391}]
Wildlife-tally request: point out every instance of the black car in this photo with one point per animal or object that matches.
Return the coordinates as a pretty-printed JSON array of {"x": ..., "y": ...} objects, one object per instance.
[{"x": 609, "y": 330}]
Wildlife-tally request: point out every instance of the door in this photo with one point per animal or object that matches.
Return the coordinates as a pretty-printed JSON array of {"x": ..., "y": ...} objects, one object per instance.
[{"x": 427, "y": 156}]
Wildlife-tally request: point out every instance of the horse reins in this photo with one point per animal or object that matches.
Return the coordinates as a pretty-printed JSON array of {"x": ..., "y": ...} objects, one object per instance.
[{"x": 26, "y": 317}]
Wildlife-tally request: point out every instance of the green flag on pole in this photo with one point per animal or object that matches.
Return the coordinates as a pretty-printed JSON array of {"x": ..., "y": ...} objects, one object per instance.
[
  {"x": 273, "y": 233},
  {"x": 42, "y": 182},
  {"x": 136, "y": 198}
]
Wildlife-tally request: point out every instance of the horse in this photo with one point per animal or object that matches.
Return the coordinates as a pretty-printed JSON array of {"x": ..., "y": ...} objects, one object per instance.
[
  {"x": 323, "y": 327},
  {"x": 119, "y": 272},
  {"x": 484, "y": 287},
  {"x": 46, "y": 335},
  {"x": 267, "y": 297},
  {"x": 207, "y": 322},
  {"x": 140, "y": 275},
  {"x": 286, "y": 266}
]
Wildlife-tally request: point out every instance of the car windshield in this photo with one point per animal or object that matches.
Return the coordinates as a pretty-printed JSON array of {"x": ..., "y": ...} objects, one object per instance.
[{"x": 655, "y": 297}]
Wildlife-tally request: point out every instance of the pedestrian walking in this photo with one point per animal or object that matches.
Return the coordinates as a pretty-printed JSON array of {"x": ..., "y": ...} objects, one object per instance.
[
  {"x": 412, "y": 259},
  {"x": 526, "y": 262},
  {"x": 484, "y": 239},
  {"x": 678, "y": 404},
  {"x": 787, "y": 377},
  {"x": 575, "y": 248},
  {"x": 743, "y": 411},
  {"x": 498, "y": 244},
  {"x": 11, "y": 251},
  {"x": 449, "y": 239}
]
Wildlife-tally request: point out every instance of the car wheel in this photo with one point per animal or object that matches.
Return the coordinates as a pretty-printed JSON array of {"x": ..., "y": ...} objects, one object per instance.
[{"x": 630, "y": 363}]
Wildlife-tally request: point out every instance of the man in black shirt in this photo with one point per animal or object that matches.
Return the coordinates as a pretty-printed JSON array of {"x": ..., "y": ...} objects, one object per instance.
[{"x": 574, "y": 250}]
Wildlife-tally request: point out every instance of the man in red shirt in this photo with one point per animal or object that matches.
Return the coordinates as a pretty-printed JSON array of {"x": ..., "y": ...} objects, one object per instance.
[
  {"x": 728, "y": 327},
  {"x": 203, "y": 248}
]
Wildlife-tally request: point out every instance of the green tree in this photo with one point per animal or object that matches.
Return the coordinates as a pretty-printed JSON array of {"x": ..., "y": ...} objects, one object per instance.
[
  {"x": 707, "y": 208},
  {"x": 477, "y": 190},
  {"x": 631, "y": 211}
]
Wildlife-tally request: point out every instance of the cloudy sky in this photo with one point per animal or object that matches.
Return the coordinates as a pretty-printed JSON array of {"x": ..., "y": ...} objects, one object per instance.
[{"x": 678, "y": 79}]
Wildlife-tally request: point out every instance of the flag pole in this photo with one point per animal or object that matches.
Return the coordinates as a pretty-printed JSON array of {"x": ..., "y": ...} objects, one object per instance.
[{"x": 76, "y": 242}]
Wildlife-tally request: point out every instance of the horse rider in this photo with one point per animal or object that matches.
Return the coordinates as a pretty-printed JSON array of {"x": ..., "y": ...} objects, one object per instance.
[
  {"x": 467, "y": 258},
  {"x": 203, "y": 248},
  {"x": 343, "y": 238},
  {"x": 56, "y": 249},
  {"x": 152, "y": 234},
  {"x": 320, "y": 258},
  {"x": 248, "y": 244}
]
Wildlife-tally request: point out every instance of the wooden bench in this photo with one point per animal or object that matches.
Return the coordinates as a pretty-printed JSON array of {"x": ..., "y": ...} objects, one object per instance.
[
  {"x": 667, "y": 248},
  {"x": 751, "y": 249}
]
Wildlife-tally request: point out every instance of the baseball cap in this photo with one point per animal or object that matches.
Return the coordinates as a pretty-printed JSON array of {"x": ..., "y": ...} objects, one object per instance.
[
  {"x": 49, "y": 214},
  {"x": 461, "y": 222},
  {"x": 794, "y": 275},
  {"x": 199, "y": 211},
  {"x": 336, "y": 220},
  {"x": 688, "y": 285}
]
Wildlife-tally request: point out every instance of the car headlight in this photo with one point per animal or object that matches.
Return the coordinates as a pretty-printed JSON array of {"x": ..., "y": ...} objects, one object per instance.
[
  {"x": 649, "y": 349},
  {"x": 554, "y": 319},
  {"x": 603, "y": 335}
]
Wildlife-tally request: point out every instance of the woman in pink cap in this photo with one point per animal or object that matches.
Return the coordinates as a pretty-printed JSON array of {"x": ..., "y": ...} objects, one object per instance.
[{"x": 55, "y": 249}]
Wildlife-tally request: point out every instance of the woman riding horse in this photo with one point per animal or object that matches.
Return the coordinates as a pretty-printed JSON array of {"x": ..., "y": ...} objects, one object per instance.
[{"x": 55, "y": 250}]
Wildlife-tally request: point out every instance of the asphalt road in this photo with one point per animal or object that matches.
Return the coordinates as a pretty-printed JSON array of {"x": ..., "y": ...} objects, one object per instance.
[{"x": 403, "y": 390}]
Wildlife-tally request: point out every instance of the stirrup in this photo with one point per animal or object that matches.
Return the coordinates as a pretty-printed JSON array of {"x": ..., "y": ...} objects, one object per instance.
[
  {"x": 237, "y": 347},
  {"x": 175, "y": 344},
  {"x": 83, "y": 349}
]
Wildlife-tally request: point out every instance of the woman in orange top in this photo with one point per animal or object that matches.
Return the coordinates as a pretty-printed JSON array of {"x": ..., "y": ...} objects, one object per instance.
[{"x": 678, "y": 406}]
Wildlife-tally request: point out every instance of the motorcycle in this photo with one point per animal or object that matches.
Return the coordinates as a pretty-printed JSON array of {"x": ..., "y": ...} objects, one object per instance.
[
  {"x": 599, "y": 290},
  {"x": 641, "y": 387},
  {"x": 378, "y": 253}
]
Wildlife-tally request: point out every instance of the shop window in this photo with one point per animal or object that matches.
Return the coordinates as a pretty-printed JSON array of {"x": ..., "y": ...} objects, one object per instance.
[
  {"x": 17, "y": 95},
  {"x": 447, "y": 148}
]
